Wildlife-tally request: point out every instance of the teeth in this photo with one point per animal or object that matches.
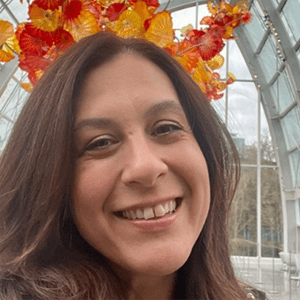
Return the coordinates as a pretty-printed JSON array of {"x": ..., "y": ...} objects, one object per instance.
[
  {"x": 147, "y": 213},
  {"x": 139, "y": 214},
  {"x": 159, "y": 210}
]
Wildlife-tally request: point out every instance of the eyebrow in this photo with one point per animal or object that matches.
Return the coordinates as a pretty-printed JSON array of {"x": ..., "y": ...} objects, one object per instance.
[
  {"x": 152, "y": 111},
  {"x": 162, "y": 107},
  {"x": 95, "y": 123}
]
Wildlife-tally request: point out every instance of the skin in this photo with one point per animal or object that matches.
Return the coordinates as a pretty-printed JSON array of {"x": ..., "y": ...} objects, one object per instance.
[{"x": 135, "y": 148}]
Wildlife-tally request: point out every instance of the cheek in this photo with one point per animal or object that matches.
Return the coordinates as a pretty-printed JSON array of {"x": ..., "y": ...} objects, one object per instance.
[{"x": 92, "y": 186}]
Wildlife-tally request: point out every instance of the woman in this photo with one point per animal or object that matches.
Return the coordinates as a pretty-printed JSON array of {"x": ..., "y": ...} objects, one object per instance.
[{"x": 116, "y": 182}]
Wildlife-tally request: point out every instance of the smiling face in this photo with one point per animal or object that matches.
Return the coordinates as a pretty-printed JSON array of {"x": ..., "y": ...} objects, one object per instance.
[{"x": 141, "y": 193}]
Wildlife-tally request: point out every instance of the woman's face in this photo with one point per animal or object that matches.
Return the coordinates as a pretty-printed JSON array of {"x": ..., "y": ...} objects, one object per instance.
[{"x": 138, "y": 158}]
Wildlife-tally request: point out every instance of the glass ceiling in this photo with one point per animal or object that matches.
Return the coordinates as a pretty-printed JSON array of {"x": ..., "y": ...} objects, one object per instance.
[{"x": 264, "y": 100}]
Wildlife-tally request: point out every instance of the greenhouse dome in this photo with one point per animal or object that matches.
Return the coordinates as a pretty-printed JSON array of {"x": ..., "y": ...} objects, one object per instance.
[{"x": 261, "y": 109}]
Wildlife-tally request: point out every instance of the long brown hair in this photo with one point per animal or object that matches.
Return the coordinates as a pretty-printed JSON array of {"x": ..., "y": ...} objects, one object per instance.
[{"x": 42, "y": 254}]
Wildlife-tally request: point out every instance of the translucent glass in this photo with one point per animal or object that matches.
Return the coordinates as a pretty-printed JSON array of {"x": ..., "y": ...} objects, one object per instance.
[
  {"x": 12, "y": 100},
  {"x": 243, "y": 235},
  {"x": 255, "y": 29},
  {"x": 295, "y": 162},
  {"x": 268, "y": 156},
  {"x": 242, "y": 112},
  {"x": 275, "y": 2},
  {"x": 290, "y": 13},
  {"x": 237, "y": 64},
  {"x": 268, "y": 58},
  {"x": 291, "y": 127},
  {"x": 183, "y": 18},
  {"x": 271, "y": 213},
  {"x": 282, "y": 92}
]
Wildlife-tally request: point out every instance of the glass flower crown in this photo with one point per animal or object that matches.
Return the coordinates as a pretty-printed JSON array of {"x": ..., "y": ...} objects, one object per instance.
[{"x": 54, "y": 25}]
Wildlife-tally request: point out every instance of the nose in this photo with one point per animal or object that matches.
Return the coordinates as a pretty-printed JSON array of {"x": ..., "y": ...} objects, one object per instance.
[{"x": 144, "y": 165}]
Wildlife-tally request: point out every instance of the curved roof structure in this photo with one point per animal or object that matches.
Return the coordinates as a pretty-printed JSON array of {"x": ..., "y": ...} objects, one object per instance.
[{"x": 265, "y": 59}]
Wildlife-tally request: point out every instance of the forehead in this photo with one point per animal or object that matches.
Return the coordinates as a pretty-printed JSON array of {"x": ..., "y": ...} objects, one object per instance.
[{"x": 128, "y": 80}]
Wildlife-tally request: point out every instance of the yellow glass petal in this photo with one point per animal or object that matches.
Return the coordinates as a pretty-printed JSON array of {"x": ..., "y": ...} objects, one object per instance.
[
  {"x": 6, "y": 31},
  {"x": 45, "y": 19},
  {"x": 129, "y": 24},
  {"x": 86, "y": 24},
  {"x": 231, "y": 76},
  {"x": 201, "y": 73},
  {"x": 213, "y": 9},
  {"x": 13, "y": 44},
  {"x": 160, "y": 31},
  {"x": 5, "y": 56},
  {"x": 142, "y": 9},
  {"x": 185, "y": 29},
  {"x": 216, "y": 62},
  {"x": 243, "y": 4}
]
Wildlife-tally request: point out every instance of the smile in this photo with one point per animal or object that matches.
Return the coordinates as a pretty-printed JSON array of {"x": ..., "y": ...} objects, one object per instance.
[{"x": 155, "y": 212}]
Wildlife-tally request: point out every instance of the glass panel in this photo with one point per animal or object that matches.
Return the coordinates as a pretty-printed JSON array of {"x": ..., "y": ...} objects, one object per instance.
[
  {"x": 19, "y": 10},
  {"x": 237, "y": 64},
  {"x": 268, "y": 156},
  {"x": 268, "y": 58},
  {"x": 282, "y": 92},
  {"x": 183, "y": 18},
  {"x": 291, "y": 127},
  {"x": 295, "y": 164},
  {"x": 271, "y": 213},
  {"x": 5, "y": 130},
  {"x": 291, "y": 15},
  {"x": 243, "y": 215},
  {"x": 219, "y": 107},
  {"x": 255, "y": 29},
  {"x": 242, "y": 115},
  {"x": 275, "y": 2}
]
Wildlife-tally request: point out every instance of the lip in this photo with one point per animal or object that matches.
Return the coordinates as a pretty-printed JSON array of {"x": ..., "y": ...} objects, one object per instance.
[{"x": 155, "y": 224}]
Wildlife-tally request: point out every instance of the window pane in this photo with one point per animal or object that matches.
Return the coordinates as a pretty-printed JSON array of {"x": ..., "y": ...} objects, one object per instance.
[
  {"x": 268, "y": 58},
  {"x": 254, "y": 30},
  {"x": 282, "y": 92},
  {"x": 237, "y": 64},
  {"x": 242, "y": 114},
  {"x": 291, "y": 127},
  {"x": 290, "y": 15},
  {"x": 295, "y": 162},
  {"x": 243, "y": 215}
]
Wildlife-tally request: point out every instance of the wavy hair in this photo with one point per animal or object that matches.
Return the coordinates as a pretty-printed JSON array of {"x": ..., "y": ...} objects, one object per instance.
[{"x": 42, "y": 255}]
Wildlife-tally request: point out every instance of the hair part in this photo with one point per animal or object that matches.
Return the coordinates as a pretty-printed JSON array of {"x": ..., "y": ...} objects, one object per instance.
[{"x": 37, "y": 170}]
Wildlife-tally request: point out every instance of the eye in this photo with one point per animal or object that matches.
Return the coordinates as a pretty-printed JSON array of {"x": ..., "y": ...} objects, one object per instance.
[
  {"x": 101, "y": 143},
  {"x": 165, "y": 129}
]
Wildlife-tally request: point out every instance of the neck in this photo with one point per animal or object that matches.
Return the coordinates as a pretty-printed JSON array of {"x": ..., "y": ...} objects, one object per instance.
[{"x": 152, "y": 287}]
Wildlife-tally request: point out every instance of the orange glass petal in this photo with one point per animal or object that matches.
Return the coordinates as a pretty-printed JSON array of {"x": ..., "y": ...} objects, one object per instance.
[
  {"x": 27, "y": 86},
  {"x": 129, "y": 24},
  {"x": 46, "y": 20},
  {"x": 224, "y": 6},
  {"x": 142, "y": 9},
  {"x": 201, "y": 73},
  {"x": 221, "y": 86},
  {"x": 160, "y": 31},
  {"x": 6, "y": 31},
  {"x": 84, "y": 26},
  {"x": 5, "y": 56}
]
